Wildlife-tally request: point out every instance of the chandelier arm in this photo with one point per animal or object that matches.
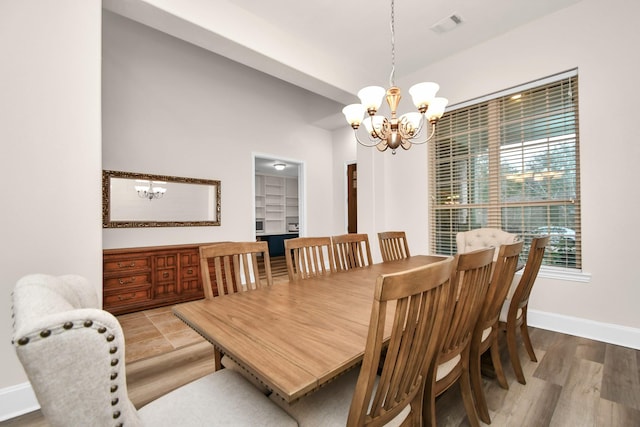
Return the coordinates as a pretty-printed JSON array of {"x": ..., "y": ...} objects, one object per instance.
[
  {"x": 423, "y": 120},
  {"x": 355, "y": 133},
  {"x": 431, "y": 135},
  {"x": 380, "y": 136}
]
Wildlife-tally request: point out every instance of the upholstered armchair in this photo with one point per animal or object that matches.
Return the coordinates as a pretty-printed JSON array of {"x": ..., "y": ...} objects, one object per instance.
[
  {"x": 468, "y": 241},
  {"x": 73, "y": 354}
]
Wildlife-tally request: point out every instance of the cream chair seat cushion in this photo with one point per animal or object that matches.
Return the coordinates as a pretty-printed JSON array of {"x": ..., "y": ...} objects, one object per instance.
[
  {"x": 446, "y": 367},
  {"x": 504, "y": 311},
  {"x": 230, "y": 364},
  {"x": 472, "y": 240},
  {"x": 224, "y": 398},
  {"x": 329, "y": 406},
  {"x": 485, "y": 334}
]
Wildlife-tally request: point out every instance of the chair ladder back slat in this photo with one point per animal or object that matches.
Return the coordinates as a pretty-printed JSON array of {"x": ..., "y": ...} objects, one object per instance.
[
  {"x": 302, "y": 255},
  {"x": 501, "y": 280},
  {"x": 224, "y": 275},
  {"x": 531, "y": 269},
  {"x": 471, "y": 280},
  {"x": 319, "y": 261}
]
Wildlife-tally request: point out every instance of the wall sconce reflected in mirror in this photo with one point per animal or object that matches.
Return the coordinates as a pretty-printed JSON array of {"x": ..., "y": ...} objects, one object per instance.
[{"x": 150, "y": 191}]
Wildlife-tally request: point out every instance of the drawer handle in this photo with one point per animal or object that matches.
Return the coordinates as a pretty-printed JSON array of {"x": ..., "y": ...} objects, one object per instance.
[
  {"x": 190, "y": 271},
  {"x": 165, "y": 274},
  {"x": 123, "y": 265},
  {"x": 126, "y": 282},
  {"x": 123, "y": 298}
]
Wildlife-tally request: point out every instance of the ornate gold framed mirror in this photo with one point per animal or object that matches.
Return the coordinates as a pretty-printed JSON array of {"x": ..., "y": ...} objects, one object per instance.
[{"x": 143, "y": 200}]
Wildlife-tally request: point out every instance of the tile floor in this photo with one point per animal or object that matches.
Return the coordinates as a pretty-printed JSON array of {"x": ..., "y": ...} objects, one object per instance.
[
  {"x": 157, "y": 331},
  {"x": 153, "y": 332}
]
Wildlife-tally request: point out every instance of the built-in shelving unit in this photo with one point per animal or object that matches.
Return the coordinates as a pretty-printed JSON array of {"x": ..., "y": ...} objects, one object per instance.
[
  {"x": 276, "y": 202},
  {"x": 260, "y": 198},
  {"x": 291, "y": 203}
]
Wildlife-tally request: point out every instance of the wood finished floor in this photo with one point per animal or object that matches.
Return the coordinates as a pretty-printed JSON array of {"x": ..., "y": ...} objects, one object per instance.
[{"x": 577, "y": 382}]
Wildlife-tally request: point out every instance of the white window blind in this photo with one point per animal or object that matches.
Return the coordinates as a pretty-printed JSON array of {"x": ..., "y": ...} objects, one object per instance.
[{"x": 511, "y": 161}]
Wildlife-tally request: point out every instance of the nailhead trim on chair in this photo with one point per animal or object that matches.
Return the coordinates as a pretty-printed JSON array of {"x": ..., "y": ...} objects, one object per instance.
[{"x": 101, "y": 329}]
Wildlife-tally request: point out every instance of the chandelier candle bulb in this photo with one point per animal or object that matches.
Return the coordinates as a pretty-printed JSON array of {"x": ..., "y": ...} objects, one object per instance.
[
  {"x": 354, "y": 114},
  {"x": 371, "y": 98},
  {"x": 373, "y": 125},
  {"x": 436, "y": 109},
  {"x": 422, "y": 94}
]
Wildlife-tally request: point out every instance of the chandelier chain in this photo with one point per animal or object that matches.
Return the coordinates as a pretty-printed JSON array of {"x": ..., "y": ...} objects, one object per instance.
[{"x": 392, "y": 79}]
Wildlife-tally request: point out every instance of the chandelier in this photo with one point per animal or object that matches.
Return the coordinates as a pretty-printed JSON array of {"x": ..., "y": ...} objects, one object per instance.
[
  {"x": 149, "y": 191},
  {"x": 402, "y": 131}
]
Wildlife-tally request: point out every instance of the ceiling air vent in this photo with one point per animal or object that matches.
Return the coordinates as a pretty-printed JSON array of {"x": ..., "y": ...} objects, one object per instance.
[{"x": 447, "y": 24}]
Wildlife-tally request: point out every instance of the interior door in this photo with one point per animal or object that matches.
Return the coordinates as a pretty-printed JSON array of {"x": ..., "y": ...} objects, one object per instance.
[{"x": 352, "y": 198}]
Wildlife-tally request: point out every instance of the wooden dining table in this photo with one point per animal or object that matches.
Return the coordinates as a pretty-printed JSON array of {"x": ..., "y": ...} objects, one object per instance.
[{"x": 296, "y": 336}]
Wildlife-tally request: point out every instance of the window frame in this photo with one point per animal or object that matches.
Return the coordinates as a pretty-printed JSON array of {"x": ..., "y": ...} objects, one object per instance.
[{"x": 495, "y": 174}]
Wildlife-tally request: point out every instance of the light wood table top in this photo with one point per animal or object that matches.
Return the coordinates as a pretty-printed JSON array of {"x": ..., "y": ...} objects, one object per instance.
[{"x": 295, "y": 337}]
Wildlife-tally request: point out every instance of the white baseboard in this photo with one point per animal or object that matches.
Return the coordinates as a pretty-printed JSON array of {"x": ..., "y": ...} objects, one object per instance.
[
  {"x": 624, "y": 336},
  {"x": 19, "y": 399}
]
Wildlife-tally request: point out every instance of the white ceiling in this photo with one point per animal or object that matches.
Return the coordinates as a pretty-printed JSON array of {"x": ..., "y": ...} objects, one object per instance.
[
  {"x": 265, "y": 166},
  {"x": 333, "y": 47}
]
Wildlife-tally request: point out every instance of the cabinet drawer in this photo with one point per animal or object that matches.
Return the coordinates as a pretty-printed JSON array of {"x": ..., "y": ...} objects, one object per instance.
[
  {"x": 126, "y": 264},
  {"x": 189, "y": 272},
  {"x": 166, "y": 275},
  {"x": 128, "y": 297},
  {"x": 124, "y": 281}
]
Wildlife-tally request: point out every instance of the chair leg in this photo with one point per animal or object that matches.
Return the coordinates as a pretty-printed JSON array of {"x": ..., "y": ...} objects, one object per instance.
[
  {"x": 497, "y": 364},
  {"x": 467, "y": 398},
  {"x": 415, "y": 416},
  {"x": 513, "y": 353},
  {"x": 429, "y": 404},
  {"x": 476, "y": 385},
  {"x": 217, "y": 357},
  {"x": 524, "y": 332}
]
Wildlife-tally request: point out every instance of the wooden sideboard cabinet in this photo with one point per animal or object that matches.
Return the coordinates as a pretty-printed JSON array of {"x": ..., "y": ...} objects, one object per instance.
[{"x": 137, "y": 279}]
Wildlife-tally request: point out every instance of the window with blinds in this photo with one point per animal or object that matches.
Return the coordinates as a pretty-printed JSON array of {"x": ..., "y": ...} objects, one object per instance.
[{"x": 511, "y": 161}]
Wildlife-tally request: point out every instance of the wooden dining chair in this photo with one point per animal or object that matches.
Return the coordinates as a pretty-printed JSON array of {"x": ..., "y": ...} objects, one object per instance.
[
  {"x": 74, "y": 356},
  {"x": 469, "y": 283},
  {"x": 351, "y": 251},
  {"x": 513, "y": 315},
  {"x": 485, "y": 335},
  {"x": 393, "y": 245},
  {"x": 235, "y": 269},
  {"x": 467, "y": 241},
  {"x": 417, "y": 302},
  {"x": 309, "y": 257}
]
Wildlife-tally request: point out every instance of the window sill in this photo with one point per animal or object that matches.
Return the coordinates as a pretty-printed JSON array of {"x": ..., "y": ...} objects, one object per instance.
[{"x": 559, "y": 273}]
